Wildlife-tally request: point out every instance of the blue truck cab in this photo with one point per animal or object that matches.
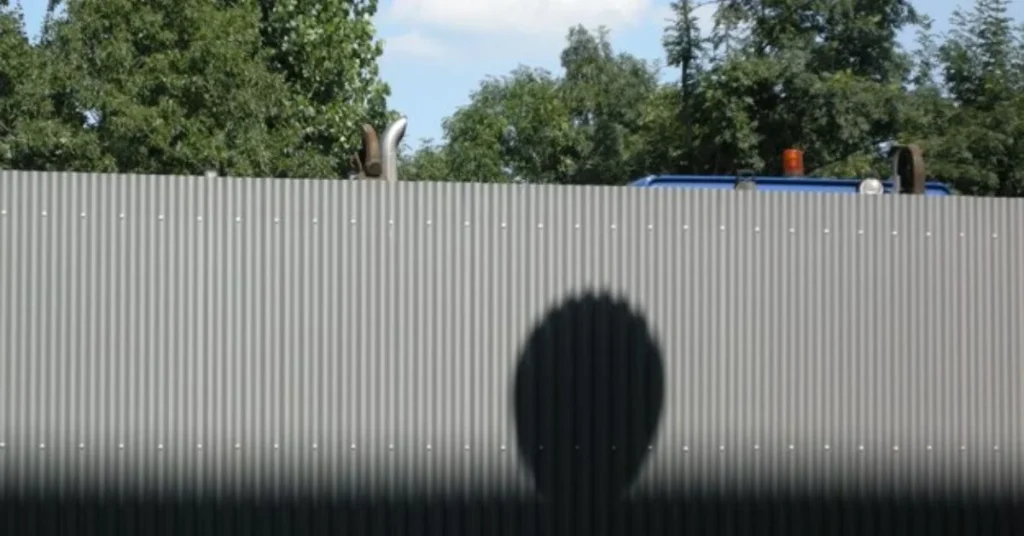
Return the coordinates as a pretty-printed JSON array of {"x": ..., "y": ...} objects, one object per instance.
[{"x": 778, "y": 184}]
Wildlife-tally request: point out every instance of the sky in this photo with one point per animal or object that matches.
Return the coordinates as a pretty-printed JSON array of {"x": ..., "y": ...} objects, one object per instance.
[{"x": 438, "y": 51}]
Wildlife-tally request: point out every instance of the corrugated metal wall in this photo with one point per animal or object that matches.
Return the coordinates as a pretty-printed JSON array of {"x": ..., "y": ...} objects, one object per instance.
[{"x": 167, "y": 338}]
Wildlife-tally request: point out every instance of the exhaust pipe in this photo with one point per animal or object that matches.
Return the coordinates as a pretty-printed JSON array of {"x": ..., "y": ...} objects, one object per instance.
[
  {"x": 908, "y": 169},
  {"x": 366, "y": 164},
  {"x": 389, "y": 148}
]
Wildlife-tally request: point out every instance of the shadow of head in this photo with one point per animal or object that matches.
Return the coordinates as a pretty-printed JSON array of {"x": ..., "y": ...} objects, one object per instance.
[{"x": 589, "y": 390}]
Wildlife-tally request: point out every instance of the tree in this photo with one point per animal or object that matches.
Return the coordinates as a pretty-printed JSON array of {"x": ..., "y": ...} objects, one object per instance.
[
  {"x": 981, "y": 148},
  {"x": 20, "y": 94},
  {"x": 34, "y": 131},
  {"x": 246, "y": 87},
  {"x": 178, "y": 87},
  {"x": 328, "y": 52},
  {"x": 588, "y": 126},
  {"x": 428, "y": 163},
  {"x": 515, "y": 127},
  {"x": 799, "y": 76},
  {"x": 683, "y": 48},
  {"x": 606, "y": 94}
]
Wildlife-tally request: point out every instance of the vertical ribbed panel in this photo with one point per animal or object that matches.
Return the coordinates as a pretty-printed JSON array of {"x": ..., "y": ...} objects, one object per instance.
[{"x": 183, "y": 337}]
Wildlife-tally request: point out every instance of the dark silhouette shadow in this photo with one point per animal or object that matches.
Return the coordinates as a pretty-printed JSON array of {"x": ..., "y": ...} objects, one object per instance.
[
  {"x": 590, "y": 375},
  {"x": 589, "y": 391}
]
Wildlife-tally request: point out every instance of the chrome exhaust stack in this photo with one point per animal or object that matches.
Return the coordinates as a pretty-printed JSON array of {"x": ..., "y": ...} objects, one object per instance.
[{"x": 389, "y": 148}]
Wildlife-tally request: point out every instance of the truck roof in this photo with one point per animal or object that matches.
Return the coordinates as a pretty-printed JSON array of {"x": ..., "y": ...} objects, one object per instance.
[{"x": 770, "y": 183}]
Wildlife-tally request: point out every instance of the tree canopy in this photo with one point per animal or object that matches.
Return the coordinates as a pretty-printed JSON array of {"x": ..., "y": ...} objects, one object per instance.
[
  {"x": 242, "y": 87},
  {"x": 827, "y": 77},
  {"x": 280, "y": 87}
]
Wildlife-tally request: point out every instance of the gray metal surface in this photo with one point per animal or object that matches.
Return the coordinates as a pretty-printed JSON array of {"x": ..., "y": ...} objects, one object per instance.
[{"x": 253, "y": 338}]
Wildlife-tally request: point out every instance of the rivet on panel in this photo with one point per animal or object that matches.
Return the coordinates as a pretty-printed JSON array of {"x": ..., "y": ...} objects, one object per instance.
[
  {"x": 199, "y": 446},
  {"x": 540, "y": 225},
  {"x": 577, "y": 447},
  {"x": 996, "y": 447},
  {"x": 792, "y": 230},
  {"x": 238, "y": 446},
  {"x": 542, "y": 447},
  {"x": 352, "y": 446},
  {"x": 238, "y": 219},
  {"x": 894, "y": 233},
  {"x": 428, "y": 446},
  {"x": 391, "y": 222},
  {"x": 199, "y": 218},
  {"x": 961, "y": 235},
  {"x": 827, "y": 447},
  {"x": 42, "y": 446},
  {"x": 503, "y": 447},
  {"x": 757, "y": 229},
  {"x": 160, "y": 446},
  {"x": 994, "y": 235},
  {"x": 429, "y": 222},
  {"x": 650, "y": 447},
  {"x": 860, "y": 231},
  {"x": 963, "y": 447},
  {"x": 3, "y": 445},
  {"x": 391, "y": 446},
  {"x": 896, "y": 447},
  {"x": 160, "y": 217},
  {"x": 120, "y": 446},
  {"x": 650, "y": 227},
  {"x": 860, "y": 447},
  {"x": 81, "y": 446},
  {"x": 792, "y": 447},
  {"x": 504, "y": 225},
  {"x": 315, "y": 446},
  {"x": 277, "y": 220},
  {"x": 466, "y": 223},
  {"x": 686, "y": 227},
  {"x": 686, "y": 448},
  {"x": 3, "y": 212},
  {"x": 613, "y": 226},
  {"x": 721, "y": 447},
  {"x": 277, "y": 446},
  {"x": 352, "y": 221},
  {"x": 44, "y": 213},
  {"x": 577, "y": 226},
  {"x": 929, "y": 447},
  {"x": 721, "y": 227},
  {"x": 82, "y": 215},
  {"x": 757, "y": 447},
  {"x": 827, "y": 231},
  {"x": 467, "y": 447}
]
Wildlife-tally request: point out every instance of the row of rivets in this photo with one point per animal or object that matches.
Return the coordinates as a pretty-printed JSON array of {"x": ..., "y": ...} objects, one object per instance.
[
  {"x": 504, "y": 224},
  {"x": 650, "y": 227},
  {"x": 391, "y": 446}
]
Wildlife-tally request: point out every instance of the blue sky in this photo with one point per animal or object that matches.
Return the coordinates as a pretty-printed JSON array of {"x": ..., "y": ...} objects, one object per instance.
[{"x": 438, "y": 51}]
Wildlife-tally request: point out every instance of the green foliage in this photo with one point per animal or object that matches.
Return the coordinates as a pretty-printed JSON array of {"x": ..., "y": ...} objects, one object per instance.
[
  {"x": 981, "y": 148},
  {"x": 243, "y": 87},
  {"x": 34, "y": 128},
  {"x": 824, "y": 76},
  {"x": 280, "y": 87},
  {"x": 328, "y": 52}
]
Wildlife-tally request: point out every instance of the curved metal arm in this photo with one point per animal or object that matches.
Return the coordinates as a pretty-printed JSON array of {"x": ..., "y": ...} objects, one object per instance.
[
  {"x": 389, "y": 148},
  {"x": 908, "y": 169}
]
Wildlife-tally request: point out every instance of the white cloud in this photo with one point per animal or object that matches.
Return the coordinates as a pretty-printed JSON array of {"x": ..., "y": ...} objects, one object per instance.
[
  {"x": 414, "y": 44},
  {"x": 531, "y": 17}
]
